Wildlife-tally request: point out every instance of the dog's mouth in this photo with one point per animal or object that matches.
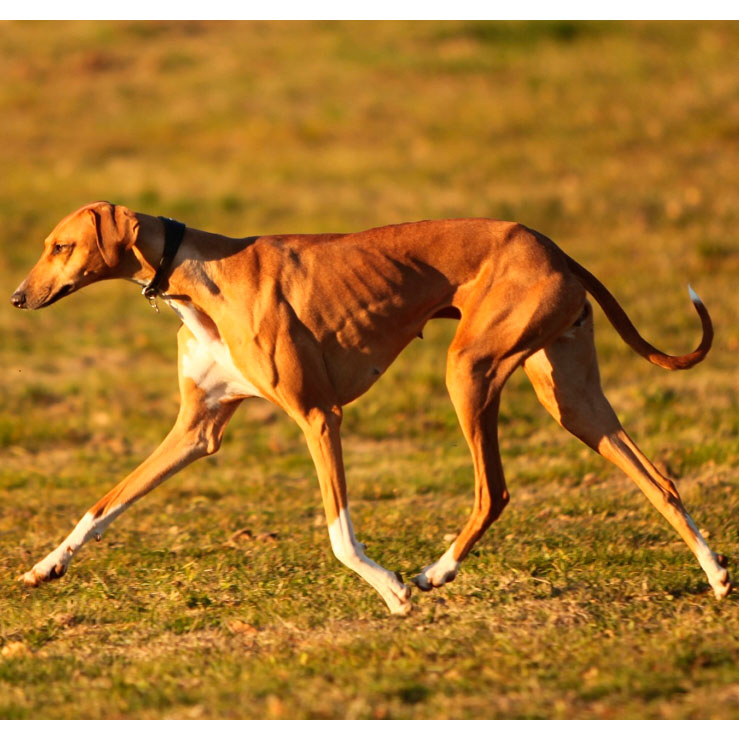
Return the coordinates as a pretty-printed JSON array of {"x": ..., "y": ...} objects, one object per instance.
[{"x": 58, "y": 295}]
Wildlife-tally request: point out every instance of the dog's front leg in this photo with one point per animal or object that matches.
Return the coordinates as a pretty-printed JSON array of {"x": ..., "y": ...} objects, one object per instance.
[
  {"x": 196, "y": 433},
  {"x": 184, "y": 444},
  {"x": 321, "y": 428}
]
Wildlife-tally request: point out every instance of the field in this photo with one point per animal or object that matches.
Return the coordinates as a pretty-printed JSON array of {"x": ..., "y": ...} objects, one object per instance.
[{"x": 617, "y": 140}]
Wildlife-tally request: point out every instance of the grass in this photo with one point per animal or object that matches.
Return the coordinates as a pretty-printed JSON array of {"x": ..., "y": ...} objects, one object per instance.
[{"x": 617, "y": 140}]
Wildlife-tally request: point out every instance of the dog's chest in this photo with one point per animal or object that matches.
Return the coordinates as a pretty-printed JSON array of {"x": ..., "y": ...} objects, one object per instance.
[{"x": 207, "y": 360}]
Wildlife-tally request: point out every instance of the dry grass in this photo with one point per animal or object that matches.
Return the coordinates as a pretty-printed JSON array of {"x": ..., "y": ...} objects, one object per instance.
[{"x": 617, "y": 140}]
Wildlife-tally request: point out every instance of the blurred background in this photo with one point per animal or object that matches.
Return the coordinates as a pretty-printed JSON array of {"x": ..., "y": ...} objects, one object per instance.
[{"x": 617, "y": 140}]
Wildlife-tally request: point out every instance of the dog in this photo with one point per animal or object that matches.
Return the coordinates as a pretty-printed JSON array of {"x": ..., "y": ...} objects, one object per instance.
[{"x": 311, "y": 322}]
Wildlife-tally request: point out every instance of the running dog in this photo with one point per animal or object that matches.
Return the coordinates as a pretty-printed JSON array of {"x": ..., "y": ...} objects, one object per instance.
[{"x": 311, "y": 322}]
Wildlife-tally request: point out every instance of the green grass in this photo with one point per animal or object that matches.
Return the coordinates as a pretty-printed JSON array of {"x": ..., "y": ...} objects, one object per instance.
[{"x": 617, "y": 140}]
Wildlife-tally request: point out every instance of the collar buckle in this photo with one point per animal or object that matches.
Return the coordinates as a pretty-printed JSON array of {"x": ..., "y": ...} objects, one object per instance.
[{"x": 151, "y": 296}]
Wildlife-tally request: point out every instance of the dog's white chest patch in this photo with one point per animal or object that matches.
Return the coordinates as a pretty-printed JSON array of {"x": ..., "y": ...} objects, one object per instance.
[{"x": 207, "y": 360}]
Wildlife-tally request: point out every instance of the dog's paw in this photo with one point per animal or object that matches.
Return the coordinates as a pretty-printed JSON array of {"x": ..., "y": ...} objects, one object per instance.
[
  {"x": 722, "y": 583},
  {"x": 400, "y": 603},
  {"x": 428, "y": 581},
  {"x": 42, "y": 573},
  {"x": 397, "y": 595},
  {"x": 437, "y": 574}
]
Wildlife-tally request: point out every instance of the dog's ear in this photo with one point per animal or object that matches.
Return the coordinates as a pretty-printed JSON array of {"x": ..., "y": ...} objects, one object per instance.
[{"x": 115, "y": 228}]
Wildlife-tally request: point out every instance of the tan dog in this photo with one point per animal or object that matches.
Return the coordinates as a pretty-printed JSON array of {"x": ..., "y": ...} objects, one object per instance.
[{"x": 311, "y": 322}]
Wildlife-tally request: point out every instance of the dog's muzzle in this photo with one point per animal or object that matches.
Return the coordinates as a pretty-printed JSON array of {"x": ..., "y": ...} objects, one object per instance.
[{"x": 20, "y": 298}]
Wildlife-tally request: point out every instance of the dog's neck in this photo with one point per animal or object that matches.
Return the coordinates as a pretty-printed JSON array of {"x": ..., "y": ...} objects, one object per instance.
[
  {"x": 197, "y": 249},
  {"x": 148, "y": 247}
]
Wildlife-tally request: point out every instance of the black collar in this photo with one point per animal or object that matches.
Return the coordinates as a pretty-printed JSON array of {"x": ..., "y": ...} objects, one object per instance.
[{"x": 173, "y": 233}]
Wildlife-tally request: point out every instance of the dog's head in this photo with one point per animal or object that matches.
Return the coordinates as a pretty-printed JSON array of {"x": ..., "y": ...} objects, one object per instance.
[{"x": 87, "y": 246}]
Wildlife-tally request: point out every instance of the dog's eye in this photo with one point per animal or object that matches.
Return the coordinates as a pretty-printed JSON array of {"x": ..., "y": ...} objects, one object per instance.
[{"x": 59, "y": 248}]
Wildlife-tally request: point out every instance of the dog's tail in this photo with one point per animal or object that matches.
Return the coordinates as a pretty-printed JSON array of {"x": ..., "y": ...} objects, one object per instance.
[{"x": 626, "y": 329}]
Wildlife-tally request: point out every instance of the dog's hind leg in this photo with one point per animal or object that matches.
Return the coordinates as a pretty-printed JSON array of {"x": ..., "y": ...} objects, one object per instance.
[
  {"x": 491, "y": 341},
  {"x": 477, "y": 404},
  {"x": 196, "y": 433},
  {"x": 567, "y": 382}
]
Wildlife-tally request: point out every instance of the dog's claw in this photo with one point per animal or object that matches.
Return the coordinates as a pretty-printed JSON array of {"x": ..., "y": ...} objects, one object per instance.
[{"x": 422, "y": 583}]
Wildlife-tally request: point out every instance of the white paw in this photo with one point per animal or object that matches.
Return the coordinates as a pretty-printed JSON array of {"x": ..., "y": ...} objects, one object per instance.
[
  {"x": 721, "y": 584},
  {"x": 49, "y": 568},
  {"x": 437, "y": 574},
  {"x": 38, "y": 574},
  {"x": 400, "y": 603}
]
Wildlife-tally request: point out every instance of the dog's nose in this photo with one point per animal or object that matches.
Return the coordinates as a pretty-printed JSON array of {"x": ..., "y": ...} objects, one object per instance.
[{"x": 18, "y": 299}]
